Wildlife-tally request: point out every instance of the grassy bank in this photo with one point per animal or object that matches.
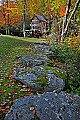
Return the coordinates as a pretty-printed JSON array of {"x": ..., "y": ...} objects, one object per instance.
[{"x": 10, "y": 47}]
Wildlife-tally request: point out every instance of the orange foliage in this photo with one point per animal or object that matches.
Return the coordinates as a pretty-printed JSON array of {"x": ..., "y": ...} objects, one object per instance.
[
  {"x": 1, "y": 20},
  {"x": 62, "y": 10},
  {"x": 12, "y": 5},
  {"x": 12, "y": 15},
  {"x": 16, "y": 19},
  {"x": 50, "y": 7}
]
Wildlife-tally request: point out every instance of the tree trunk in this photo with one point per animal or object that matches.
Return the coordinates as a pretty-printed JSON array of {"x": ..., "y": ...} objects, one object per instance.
[
  {"x": 24, "y": 29},
  {"x": 4, "y": 15},
  {"x": 73, "y": 12},
  {"x": 55, "y": 28},
  {"x": 7, "y": 25},
  {"x": 67, "y": 24},
  {"x": 65, "y": 18},
  {"x": 24, "y": 19}
]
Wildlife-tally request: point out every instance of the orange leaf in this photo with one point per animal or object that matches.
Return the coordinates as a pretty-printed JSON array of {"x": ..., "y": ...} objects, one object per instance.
[
  {"x": 7, "y": 107},
  {"x": 1, "y": 92}
]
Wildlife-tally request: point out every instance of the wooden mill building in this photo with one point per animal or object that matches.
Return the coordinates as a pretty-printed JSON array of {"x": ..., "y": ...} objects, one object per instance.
[{"x": 38, "y": 23}]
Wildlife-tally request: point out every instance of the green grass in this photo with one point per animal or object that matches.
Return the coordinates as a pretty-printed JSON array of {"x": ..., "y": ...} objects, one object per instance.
[{"x": 10, "y": 47}]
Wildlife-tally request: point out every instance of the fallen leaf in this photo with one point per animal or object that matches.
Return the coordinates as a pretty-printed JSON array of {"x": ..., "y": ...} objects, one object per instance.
[
  {"x": 23, "y": 90},
  {"x": 1, "y": 92},
  {"x": 5, "y": 84},
  {"x": 7, "y": 107},
  {"x": 24, "y": 86},
  {"x": 32, "y": 108}
]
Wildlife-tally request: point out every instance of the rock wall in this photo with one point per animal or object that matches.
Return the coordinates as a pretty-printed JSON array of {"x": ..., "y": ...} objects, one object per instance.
[{"x": 54, "y": 104}]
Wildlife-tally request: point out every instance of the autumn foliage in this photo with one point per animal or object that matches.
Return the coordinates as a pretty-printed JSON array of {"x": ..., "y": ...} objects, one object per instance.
[
  {"x": 62, "y": 10},
  {"x": 9, "y": 14},
  {"x": 12, "y": 13}
]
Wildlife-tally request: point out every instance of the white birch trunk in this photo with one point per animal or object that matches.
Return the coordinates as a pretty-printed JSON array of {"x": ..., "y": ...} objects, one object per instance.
[
  {"x": 65, "y": 18},
  {"x": 24, "y": 29},
  {"x": 73, "y": 12},
  {"x": 24, "y": 19},
  {"x": 64, "y": 29}
]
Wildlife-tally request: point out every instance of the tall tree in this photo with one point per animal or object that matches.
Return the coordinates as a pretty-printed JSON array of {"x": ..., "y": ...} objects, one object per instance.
[
  {"x": 65, "y": 16},
  {"x": 24, "y": 15},
  {"x": 10, "y": 14},
  {"x": 22, "y": 9},
  {"x": 65, "y": 22}
]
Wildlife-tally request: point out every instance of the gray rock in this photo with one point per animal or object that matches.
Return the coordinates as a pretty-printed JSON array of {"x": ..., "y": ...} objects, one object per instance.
[
  {"x": 54, "y": 84},
  {"x": 58, "y": 69},
  {"x": 50, "y": 72},
  {"x": 41, "y": 48},
  {"x": 20, "y": 110},
  {"x": 41, "y": 43},
  {"x": 30, "y": 79},
  {"x": 38, "y": 70},
  {"x": 48, "y": 106},
  {"x": 35, "y": 60}
]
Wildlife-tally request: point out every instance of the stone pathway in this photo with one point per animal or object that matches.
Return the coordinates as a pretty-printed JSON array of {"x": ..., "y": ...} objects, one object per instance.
[{"x": 54, "y": 104}]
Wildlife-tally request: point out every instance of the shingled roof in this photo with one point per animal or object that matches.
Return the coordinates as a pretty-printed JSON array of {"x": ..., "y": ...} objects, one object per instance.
[{"x": 40, "y": 17}]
